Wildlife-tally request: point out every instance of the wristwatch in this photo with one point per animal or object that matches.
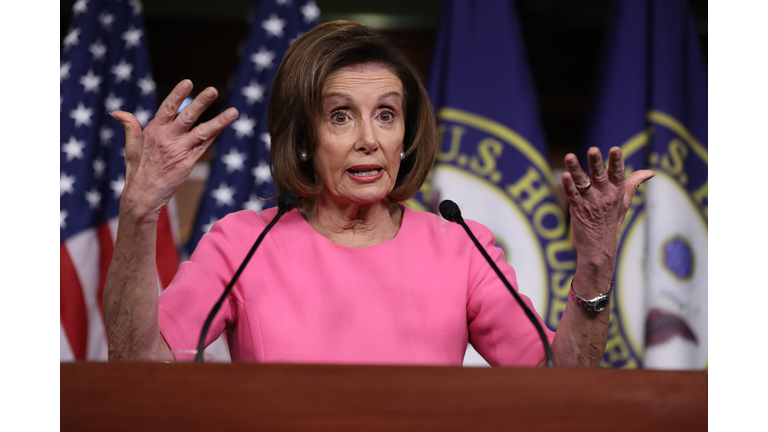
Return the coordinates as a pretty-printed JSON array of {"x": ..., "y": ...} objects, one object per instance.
[{"x": 596, "y": 304}]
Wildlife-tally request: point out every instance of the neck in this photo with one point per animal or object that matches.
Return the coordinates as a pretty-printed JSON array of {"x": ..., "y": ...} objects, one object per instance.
[{"x": 352, "y": 224}]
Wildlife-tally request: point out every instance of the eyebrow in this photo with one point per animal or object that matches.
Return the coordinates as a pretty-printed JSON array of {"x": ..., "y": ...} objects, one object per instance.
[{"x": 348, "y": 96}]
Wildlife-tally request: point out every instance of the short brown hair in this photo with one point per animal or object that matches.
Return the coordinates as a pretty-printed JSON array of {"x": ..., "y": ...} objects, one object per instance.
[{"x": 296, "y": 98}]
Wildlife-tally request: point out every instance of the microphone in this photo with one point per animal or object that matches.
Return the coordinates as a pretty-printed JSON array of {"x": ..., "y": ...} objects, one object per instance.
[
  {"x": 286, "y": 202},
  {"x": 450, "y": 212}
]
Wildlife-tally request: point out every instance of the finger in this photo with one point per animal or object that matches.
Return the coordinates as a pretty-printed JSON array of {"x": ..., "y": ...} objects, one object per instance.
[
  {"x": 615, "y": 166},
  {"x": 167, "y": 111},
  {"x": 578, "y": 175},
  {"x": 597, "y": 168},
  {"x": 571, "y": 191},
  {"x": 132, "y": 129},
  {"x": 204, "y": 134},
  {"x": 189, "y": 115},
  {"x": 633, "y": 182}
]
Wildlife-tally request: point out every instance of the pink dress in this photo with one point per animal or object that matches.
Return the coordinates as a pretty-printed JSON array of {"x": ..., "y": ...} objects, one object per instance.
[{"x": 414, "y": 300}]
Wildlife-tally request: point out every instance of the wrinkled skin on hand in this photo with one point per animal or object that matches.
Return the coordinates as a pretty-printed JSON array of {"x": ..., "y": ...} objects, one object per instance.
[
  {"x": 598, "y": 212},
  {"x": 160, "y": 157}
]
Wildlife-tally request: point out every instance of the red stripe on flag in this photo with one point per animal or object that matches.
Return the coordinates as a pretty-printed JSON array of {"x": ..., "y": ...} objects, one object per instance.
[
  {"x": 106, "y": 247},
  {"x": 74, "y": 317},
  {"x": 167, "y": 254}
]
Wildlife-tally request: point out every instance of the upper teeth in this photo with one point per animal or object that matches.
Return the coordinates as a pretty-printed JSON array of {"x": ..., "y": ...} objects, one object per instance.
[{"x": 366, "y": 173}]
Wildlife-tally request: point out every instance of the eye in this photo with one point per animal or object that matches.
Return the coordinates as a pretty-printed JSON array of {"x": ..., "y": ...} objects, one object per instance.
[
  {"x": 387, "y": 116},
  {"x": 339, "y": 116}
]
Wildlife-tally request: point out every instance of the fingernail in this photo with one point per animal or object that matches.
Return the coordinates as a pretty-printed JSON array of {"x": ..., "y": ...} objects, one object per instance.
[
  {"x": 231, "y": 113},
  {"x": 186, "y": 84},
  {"x": 210, "y": 93}
]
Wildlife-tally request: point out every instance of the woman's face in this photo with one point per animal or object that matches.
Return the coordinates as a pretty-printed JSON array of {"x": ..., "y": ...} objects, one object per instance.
[{"x": 360, "y": 134}]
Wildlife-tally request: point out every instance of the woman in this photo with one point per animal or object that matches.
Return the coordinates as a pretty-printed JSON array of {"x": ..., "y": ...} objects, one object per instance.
[{"x": 351, "y": 275}]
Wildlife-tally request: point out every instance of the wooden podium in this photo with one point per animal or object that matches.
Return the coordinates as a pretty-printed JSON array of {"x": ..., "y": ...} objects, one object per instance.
[{"x": 239, "y": 397}]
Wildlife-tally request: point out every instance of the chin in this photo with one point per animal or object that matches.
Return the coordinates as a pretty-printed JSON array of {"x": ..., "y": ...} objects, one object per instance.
[
  {"x": 368, "y": 195},
  {"x": 369, "y": 199}
]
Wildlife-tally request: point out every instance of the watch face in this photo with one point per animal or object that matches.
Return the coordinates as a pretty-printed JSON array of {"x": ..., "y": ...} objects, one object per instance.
[{"x": 602, "y": 304}]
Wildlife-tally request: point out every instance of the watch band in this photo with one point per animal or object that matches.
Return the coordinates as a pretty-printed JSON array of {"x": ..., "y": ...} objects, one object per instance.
[{"x": 596, "y": 304}]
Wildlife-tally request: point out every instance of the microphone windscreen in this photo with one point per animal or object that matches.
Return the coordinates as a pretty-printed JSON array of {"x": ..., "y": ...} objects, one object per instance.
[
  {"x": 287, "y": 200},
  {"x": 450, "y": 211}
]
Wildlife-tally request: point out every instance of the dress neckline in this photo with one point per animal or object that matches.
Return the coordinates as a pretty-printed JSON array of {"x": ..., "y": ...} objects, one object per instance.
[{"x": 306, "y": 226}]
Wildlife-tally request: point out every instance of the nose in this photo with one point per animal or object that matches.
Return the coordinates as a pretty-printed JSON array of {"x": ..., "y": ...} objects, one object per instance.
[{"x": 366, "y": 139}]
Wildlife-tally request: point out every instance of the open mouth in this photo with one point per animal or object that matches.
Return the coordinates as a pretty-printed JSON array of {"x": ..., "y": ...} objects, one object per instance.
[
  {"x": 364, "y": 173},
  {"x": 368, "y": 173}
]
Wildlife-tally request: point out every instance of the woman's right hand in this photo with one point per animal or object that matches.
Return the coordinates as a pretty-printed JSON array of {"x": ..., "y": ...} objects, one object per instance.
[{"x": 160, "y": 157}]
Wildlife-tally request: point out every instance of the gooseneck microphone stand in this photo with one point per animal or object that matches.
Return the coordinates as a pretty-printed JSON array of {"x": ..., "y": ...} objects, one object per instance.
[
  {"x": 285, "y": 203},
  {"x": 450, "y": 211}
]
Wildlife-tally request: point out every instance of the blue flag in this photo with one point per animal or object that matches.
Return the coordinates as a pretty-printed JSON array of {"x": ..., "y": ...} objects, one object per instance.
[
  {"x": 104, "y": 67},
  {"x": 652, "y": 103},
  {"x": 240, "y": 176},
  {"x": 493, "y": 159}
]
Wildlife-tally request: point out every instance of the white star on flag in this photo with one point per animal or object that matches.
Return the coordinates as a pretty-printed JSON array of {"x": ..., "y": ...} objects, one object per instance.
[
  {"x": 267, "y": 139},
  {"x": 310, "y": 12},
  {"x": 79, "y": 7},
  {"x": 262, "y": 173},
  {"x": 106, "y": 20},
  {"x": 66, "y": 184},
  {"x": 147, "y": 85},
  {"x": 274, "y": 26},
  {"x": 253, "y": 93},
  {"x": 64, "y": 71},
  {"x": 113, "y": 103},
  {"x": 290, "y": 42},
  {"x": 98, "y": 167},
  {"x": 224, "y": 195},
  {"x": 136, "y": 6},
  {"x": 283, "y": 2},
  {"x": 244, "y": 126},
  {"x": 105, "y": 135},
  {"x": 91, "y": 82},
  {"x": 117, "y": 186},
  {"x": 131, "y": 37},
  {"x": 207, "y": 227},
  {"x": 122, "y": 71},
  {"x": 98, "y": 49},
  {"x": 263, "y": 59},
  {"x": 142, "y": 116},
  {"x": 73, "y": 148},
  {"x": 253, "y": 203},
  {"x": 234, "y": 160},
  {"x": 71, "y": 39},
  {"x": 62, "y": 217},
  {"x": 94, "y": 198},
  {"x": 81, "y": 115}
]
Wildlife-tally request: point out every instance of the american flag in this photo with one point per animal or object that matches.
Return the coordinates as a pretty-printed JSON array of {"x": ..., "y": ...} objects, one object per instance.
[
  {"x": 240, "y": 177},
  {"x": 104, "y": 67}
]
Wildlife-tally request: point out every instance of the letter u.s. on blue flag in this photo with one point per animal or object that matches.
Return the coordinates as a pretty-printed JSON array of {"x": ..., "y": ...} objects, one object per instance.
[
  {"x": 652, "y": 102},
  {"x": 493, "y": 160}
]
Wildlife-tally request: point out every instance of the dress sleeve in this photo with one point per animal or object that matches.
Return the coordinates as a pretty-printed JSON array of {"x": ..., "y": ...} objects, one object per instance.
[
  {"x": 199, "y": 283},
  {"x": 499, "y": 329}
]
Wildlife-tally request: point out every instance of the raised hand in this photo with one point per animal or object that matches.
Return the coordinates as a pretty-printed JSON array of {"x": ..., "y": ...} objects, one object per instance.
[
  {"x": 158, "y": 160},
  {"x": 160, "y": 157},
  {"x": 598, "y": 204}
]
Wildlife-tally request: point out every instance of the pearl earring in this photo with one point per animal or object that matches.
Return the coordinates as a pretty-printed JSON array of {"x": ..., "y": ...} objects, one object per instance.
[
  {"x": 402, "y": 155},
  {"x": 303, "y": 156}
]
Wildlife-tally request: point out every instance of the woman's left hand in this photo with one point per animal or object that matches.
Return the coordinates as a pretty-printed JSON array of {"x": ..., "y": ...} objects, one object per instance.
[{"x": 598, "y": 206}]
